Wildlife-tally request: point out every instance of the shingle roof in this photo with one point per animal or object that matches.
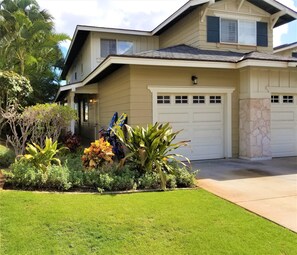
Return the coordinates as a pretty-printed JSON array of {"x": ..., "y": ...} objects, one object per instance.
[
  {"x": 185, "y": 52},
  {"x": 294, "y": 44}
]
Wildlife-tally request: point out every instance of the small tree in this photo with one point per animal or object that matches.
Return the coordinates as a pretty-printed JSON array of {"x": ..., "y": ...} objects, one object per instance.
[
  {"x": 14, "y": 88},
  {"x": 36, "y": 123},
  {"x": 50, "y": 120}
]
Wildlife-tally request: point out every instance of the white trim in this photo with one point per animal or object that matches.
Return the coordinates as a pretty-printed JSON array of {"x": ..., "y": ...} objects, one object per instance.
[
  {"x": 237, "y": 16},
  {"x": 262, "y": 63},
  {"x": 279, "y": 90},
  {"x": 202, "y": 90},
  {"x": 71, "y": 87},
  {"x": 178, "y": 13},
  {"x": 292, "y": 64},
  {"x": 281, "y": 7},
  {"x": 292, "y": 46},
  {"x": 275, "y": 17},
  {"x": 113, "y": 30}
]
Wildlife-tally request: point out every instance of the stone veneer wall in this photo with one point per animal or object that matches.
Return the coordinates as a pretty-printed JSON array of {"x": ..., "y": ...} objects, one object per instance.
[{"x": 254, "y": 125}]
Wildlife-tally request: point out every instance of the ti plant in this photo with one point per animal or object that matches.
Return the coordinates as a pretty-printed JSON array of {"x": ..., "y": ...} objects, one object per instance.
[
  {"x": 42, "y": 157},
  {"x": 151, "y": 148}
]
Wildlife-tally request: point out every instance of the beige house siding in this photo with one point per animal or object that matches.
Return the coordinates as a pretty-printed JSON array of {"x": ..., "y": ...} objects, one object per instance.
[
  {"x": 254, "y": 82},
  {"x": 141, "y": 97},
  {"x": 286, "y": 53},
  {"x": 113, "y": 96},
  {"x": 184, "y": 32},
  {"x": 140, "y": 43},
  {"x": 192, "y": 30},
  {"x": 82, "y": 63}
]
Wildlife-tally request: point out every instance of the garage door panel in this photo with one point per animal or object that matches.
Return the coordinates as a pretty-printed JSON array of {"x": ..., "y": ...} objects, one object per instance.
[
  {"x": 207, "y": 117},
  {"x": 284, "y": 128},
  {"x": 174, "y": 117},
  {"x": 283, "y": 116},
  {"x": 201, "y": 124}
]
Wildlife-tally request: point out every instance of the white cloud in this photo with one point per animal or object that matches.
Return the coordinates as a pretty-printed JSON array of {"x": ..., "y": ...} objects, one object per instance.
[{"x": 130, "y": 14}]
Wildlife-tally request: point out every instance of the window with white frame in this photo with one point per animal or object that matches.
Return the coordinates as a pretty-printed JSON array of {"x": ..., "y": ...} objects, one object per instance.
[
  {"x": 275, "y": 99},
  {"x": 198, "y": 99},
  {"x": 125, "y": 47},
  {"x": 215, "y": 99},
  {"x": 163, "y": 99},
  {"x": 112, "y": 46},
  {"x": 288, "y": 99},
  {"x": 108, "y": 47},
  {"x": 181, "y": 99},
  {"x": 238, "y": 31}
]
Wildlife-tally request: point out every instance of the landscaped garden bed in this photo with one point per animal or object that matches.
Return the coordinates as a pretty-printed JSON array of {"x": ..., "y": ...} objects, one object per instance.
[{"x": 45, "y": 164}]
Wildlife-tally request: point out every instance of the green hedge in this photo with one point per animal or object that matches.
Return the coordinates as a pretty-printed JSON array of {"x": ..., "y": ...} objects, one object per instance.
[{"x": 7, "y": 156}]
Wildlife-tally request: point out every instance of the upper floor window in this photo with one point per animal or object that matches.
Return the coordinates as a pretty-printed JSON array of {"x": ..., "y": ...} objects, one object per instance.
[
  {"x": 245, "y": 32},
  {"x": 125, "y": 47},
  {"x": 111, "y": 46},
  {"x": 238, "y": 31}
]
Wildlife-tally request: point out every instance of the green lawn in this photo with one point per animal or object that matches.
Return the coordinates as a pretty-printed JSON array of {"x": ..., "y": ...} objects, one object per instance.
[{"x": 177, "y": 222}]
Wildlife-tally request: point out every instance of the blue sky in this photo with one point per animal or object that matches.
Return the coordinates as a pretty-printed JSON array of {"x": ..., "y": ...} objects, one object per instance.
[{"x": 133, "y": 14}]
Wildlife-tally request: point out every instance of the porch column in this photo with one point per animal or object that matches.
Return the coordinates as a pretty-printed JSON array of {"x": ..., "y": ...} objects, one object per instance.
[
  {"x": 254, "y": 125},
  {"x": 254, "y": 115},
  {"x": 71, "y": 104}
]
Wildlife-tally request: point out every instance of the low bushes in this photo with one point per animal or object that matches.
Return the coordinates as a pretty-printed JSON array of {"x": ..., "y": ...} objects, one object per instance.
[
  {"x": 149, "y": 164},
  {"x": 7, "y": 156},
  {"x": 71, "y": 175}
]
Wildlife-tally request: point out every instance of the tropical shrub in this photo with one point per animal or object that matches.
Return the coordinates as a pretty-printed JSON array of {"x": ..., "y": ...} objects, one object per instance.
[
  {"x": 98, "y": 154},
  {"x": 71, "y": 141},
  {"x": 149, "y": 181},
  {"x": 151, "y": 148},
  {"x": 27, "y": 176},
  {"x": 7, "y": 156},
  {"x": 184, "y": 175},
  {"x": 42, "y": 157}
]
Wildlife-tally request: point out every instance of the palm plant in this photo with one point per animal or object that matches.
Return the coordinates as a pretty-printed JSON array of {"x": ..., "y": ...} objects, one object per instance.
[
  {"x": 29, "y": 44},
  {"x": 151, "y": 148}
]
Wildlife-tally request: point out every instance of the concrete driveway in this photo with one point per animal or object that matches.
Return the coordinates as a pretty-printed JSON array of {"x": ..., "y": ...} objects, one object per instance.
[{"x": 267, "y": 188}]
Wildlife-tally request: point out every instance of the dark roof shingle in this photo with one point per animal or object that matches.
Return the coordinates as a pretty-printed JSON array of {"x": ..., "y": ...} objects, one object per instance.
[{"x": 185, "y": 52}]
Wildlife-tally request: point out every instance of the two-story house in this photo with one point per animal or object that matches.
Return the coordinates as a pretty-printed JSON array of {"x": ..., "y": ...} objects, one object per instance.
[{"x": 208, "y": 69}]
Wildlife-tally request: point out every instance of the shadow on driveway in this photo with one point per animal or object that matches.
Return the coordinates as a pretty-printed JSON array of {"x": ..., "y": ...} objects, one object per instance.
[{"x": 230, "y": 169}]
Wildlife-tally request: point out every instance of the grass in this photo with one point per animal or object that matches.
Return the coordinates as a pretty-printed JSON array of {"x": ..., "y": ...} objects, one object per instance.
[{"x": 177, "y": 222}]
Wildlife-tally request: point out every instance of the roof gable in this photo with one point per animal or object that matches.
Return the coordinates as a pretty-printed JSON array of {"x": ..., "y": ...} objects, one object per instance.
[{"x": 272, "y": 7}]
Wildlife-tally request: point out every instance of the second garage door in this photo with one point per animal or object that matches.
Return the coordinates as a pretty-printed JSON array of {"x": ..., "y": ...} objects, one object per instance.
[
  {"x": 283, "y": 125},
  {"x": 201, "y": 119}
]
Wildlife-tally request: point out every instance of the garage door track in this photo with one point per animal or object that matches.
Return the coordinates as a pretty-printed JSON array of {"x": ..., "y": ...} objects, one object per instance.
[{"x": 267, "y": 188}]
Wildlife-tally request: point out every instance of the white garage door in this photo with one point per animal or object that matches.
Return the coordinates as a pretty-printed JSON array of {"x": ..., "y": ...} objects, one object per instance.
[
  {"x": 201, "y": 117},
  {"x": 283, "y": 125}
]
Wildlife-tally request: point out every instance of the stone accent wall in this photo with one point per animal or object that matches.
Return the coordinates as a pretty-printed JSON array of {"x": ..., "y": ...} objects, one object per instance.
[{"x": 254, "y": 128}]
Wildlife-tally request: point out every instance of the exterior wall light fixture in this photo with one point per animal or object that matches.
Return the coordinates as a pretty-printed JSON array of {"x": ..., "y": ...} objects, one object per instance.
[{"x": 194, "y": 79}]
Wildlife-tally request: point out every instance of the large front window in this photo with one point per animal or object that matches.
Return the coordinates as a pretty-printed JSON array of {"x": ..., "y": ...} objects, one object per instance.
[
  {"x": 238, "y": 31},
  {"x": 110, "y": 46}
]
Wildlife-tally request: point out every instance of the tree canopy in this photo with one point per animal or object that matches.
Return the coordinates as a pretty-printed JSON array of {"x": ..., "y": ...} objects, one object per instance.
[{"x": 29, "y": 46}]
